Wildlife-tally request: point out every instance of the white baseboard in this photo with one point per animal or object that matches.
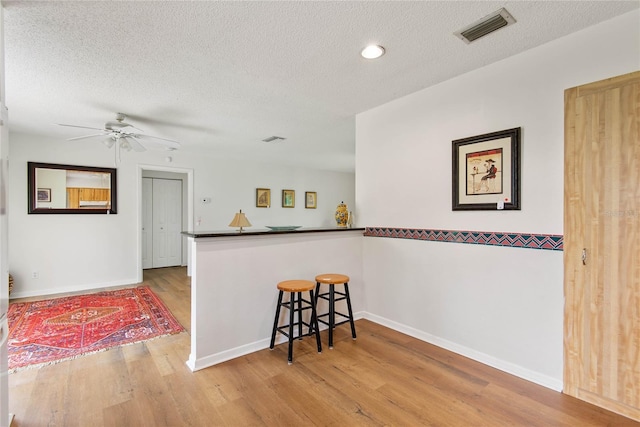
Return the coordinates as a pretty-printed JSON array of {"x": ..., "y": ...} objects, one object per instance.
[
  {"x": 223, "y": 356},
  {"x": 508, "y": 367},
  {"x": 79, "y": 288}
]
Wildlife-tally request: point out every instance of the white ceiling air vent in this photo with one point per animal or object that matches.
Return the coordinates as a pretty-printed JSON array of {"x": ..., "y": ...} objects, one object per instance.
[
  {"x": 486, "y": 25},
  {"x": 274, "y": 139}
]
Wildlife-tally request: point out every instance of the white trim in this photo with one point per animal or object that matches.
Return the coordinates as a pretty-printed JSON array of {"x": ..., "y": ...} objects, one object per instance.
[
  {"x": 508, "y": 367},
  {"x": 243, "y": 350},
  {"x": 78, "y": 288}
]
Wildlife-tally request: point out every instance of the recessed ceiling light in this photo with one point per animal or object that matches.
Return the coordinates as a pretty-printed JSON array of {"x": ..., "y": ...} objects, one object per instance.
[{"x": 372, "y": 51}]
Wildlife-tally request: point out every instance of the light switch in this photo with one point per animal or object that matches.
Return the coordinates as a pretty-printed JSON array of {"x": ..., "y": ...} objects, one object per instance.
[{"x": 500, "y": 205}]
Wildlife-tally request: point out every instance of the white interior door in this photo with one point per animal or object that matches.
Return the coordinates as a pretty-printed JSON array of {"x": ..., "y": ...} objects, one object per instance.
[
  {"x": 167, "y": 222},
  {"x": 147, "y": 223}
]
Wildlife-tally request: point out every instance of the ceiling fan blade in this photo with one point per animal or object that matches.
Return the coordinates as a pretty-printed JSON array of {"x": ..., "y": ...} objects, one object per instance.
[
  {"x": 150, "y": 120},
  {"x": 87, "y": 136},
  {"x": 134, "y": 144},
  {"x": 81, "y": 127},
  {"x": 167, "y": 142}
]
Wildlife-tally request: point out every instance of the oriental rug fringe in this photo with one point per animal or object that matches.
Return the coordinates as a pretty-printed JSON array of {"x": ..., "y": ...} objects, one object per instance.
[{"x": 53, "y": 330}]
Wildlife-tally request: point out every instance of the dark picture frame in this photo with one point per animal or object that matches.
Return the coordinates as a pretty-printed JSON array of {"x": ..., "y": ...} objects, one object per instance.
[
  {"x": 43, "y": 194},
  {"x": 486, "y": 171}
]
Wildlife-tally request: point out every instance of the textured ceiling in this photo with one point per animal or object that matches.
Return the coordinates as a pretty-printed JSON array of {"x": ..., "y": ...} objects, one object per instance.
[{"x": 221, "y": 76}]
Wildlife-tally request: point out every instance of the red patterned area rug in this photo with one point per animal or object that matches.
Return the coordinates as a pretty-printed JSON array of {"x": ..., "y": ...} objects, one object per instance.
[{"x": 49, "y": 331}]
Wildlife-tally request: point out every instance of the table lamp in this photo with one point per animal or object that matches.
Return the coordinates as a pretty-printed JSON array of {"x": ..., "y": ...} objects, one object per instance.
[{"x": 240, "y": 220}]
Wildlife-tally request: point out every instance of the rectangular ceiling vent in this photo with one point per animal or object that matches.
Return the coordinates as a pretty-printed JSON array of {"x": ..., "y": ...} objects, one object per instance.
[
  {"x": 486, "y": 25},
  {"x": 274, "y": 139}
]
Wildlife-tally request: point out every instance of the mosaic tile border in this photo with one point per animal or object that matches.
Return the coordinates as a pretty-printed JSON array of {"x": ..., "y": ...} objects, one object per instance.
[{"x": 553, "y": 242}]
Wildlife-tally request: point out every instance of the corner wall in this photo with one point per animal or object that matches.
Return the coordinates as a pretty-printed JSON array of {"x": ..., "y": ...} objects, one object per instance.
[{"x": 500, "y": 305}]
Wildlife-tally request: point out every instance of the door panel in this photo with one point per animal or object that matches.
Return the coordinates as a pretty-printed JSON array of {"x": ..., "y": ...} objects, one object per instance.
[
  {"x": 602, "y": 244},
  {"x": 147, "y": 223},
  {"x": 167, "y": 222}
]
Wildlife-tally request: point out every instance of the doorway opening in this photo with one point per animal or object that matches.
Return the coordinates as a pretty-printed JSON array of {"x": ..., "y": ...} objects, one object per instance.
[{"x": 165, "y": 209}]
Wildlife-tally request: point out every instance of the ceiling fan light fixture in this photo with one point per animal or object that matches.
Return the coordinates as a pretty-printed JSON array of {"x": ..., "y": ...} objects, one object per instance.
[
  {"x": 109, "y": 142},
  {"x": 373, "y": 51},
  {"x": 125, "y": 145}
]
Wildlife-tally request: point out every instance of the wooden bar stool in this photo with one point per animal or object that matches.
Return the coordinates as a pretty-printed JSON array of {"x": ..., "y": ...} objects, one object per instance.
[
  {"x": 295, "y": 288},
  {"x": 333, "y": 279}
]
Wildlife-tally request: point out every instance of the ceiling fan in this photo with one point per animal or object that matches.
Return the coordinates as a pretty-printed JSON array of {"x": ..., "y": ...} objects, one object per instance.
[{"x": 124, "y": 135}]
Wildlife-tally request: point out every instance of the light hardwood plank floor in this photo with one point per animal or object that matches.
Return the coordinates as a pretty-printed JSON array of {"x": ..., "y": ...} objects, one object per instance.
[{"x": 382, "y": 378}]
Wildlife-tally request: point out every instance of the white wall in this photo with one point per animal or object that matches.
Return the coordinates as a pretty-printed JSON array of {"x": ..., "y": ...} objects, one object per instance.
[
  {"x": 502, "y": 306},
  {"x": 79, "y": 252}
]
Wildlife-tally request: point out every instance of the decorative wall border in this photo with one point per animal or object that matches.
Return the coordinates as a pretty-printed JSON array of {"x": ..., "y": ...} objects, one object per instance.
[{"x": 553, "y": 242}]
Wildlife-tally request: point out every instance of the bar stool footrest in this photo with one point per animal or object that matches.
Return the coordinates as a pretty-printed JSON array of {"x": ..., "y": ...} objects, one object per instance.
[
  {"x": 347, "y": 319},
  {"x": 284, "y": 330}
]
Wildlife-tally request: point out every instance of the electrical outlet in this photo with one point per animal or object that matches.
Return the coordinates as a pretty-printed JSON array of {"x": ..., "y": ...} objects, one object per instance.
[{"x": 35, "y": 275}]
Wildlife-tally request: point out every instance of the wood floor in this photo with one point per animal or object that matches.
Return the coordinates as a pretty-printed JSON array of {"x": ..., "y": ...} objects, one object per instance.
[{"x": 382, "y": 378}]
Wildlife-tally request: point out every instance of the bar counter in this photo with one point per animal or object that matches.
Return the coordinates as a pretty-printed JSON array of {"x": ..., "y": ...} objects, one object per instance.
[
  {"x": 264, "y": 231},
  {"x": 234, "y": 277}
]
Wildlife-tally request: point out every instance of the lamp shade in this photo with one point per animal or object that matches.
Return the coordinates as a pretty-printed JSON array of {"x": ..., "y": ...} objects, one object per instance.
[{"x": 240, "y": 220}]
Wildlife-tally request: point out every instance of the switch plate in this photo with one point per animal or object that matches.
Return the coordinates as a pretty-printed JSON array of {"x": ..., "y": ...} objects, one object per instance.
[{"x": 500, "y": 205}]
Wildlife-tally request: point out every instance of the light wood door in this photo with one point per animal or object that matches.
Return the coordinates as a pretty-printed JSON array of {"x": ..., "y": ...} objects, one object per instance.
[
  {"x": 602, "y": 244},
  {"x": 167, "y": 222}
]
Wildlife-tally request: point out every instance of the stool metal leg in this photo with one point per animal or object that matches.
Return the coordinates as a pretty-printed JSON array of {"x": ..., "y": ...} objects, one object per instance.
[
  {"x": 353, "y": 326},
  {"x": 291, "y": 312},
  {"x": 332, "y": 313},
  {"x": 299, "y": 315},
  {"x": 317, "y": 292},
  {"x": 275, "y": 322},
  {"x": 313, "y": 324}
]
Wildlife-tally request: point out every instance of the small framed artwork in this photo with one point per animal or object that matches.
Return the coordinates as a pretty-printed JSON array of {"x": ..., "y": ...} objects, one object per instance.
[
  {"x": 486, "y": 171},
  {"x": 310, "y": 199},
  {"x": 43, "y": 194},
  {"x": 263, "y": 197},
  {"x": 288, "y": 198}
]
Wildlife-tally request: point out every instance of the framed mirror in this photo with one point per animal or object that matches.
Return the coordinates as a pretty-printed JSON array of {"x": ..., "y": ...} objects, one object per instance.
[{"x": 67, "y": 189}]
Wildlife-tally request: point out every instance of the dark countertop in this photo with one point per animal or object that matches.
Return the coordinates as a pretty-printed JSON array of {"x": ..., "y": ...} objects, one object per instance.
[{"x": 265, "y": 232}]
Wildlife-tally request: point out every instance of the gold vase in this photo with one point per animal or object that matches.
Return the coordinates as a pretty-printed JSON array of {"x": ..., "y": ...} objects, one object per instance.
[{"x": 342, "y": 215}]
